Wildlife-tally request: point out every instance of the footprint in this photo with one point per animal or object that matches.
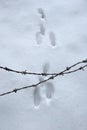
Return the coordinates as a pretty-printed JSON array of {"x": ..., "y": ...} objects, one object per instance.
[
  {"x": 49, "y": 86},
  {"x": 41, "y": 12},
  {"x": 46, "y": 67},
  {"x": 49, "y": 90},
  {"x": 42, "y": 29},
  {"x": 52, "y": 38},
  {"x": 38, "y": 38},
  {"x": 36, "y": 96}
]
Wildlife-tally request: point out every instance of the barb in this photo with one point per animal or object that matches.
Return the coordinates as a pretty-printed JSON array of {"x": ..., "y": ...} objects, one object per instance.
[
  {"x": 64, "y": 72},
  {"x": 25, "y": 72}
]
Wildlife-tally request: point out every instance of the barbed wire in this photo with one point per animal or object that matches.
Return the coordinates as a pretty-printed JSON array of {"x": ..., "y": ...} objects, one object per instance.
[
  {"x": 25, "y": 72},
  {"x": 53, "y": 76}
]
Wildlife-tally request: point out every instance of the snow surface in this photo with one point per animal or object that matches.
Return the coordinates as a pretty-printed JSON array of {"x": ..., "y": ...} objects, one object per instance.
[{"x": 24, "y": 47}]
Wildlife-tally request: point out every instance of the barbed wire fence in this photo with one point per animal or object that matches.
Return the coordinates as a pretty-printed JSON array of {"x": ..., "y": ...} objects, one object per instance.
[{"x": 81, "y": 65}]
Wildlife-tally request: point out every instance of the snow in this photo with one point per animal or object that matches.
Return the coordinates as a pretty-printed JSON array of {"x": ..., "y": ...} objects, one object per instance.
[{"x": 22, "y": 49}]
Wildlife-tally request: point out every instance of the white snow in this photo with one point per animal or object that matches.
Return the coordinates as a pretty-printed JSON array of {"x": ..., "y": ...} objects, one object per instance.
[{"x": 19, "y": 49}]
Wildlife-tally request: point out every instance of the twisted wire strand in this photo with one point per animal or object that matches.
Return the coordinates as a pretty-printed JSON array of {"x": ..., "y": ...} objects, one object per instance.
[{"x": 53, "y": 76}]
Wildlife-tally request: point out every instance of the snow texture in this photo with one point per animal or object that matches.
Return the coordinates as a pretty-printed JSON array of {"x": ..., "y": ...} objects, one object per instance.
[{"x": 24, "y": 47}]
